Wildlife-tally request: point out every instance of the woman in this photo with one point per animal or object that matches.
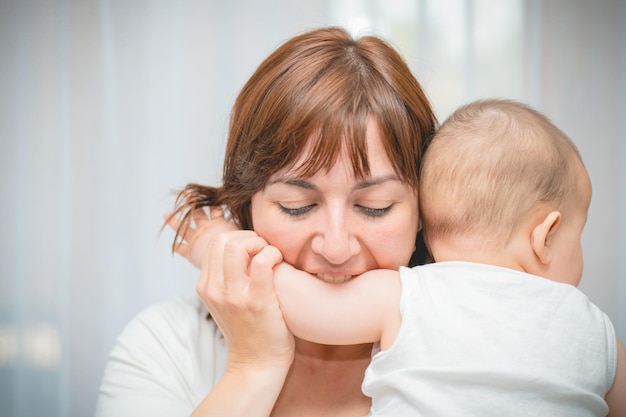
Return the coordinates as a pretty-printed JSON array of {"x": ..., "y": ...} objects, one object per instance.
[{"x": 322, "y": 162}]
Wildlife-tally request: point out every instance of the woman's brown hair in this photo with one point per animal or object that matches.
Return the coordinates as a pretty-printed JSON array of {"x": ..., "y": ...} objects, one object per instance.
[{"x": 315, "y": 93}]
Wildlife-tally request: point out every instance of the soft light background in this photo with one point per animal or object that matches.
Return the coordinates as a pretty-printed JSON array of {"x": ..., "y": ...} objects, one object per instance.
[{"x": 108, "y": 106}]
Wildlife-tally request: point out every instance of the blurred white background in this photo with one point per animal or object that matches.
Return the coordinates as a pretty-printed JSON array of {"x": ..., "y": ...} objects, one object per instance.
[{"x": 108, "y": 106}]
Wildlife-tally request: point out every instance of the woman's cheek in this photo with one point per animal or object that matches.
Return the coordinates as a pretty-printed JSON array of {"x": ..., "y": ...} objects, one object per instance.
[
  {"x": 279, "y": 232},
  {"x": 394, "y": 249},
  {"x": 285, "y": 238},
  {"x": 396, "y": 239}
]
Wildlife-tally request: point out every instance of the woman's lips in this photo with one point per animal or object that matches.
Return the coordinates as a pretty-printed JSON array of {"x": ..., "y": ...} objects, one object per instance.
[{"x": 334, "y": 279}]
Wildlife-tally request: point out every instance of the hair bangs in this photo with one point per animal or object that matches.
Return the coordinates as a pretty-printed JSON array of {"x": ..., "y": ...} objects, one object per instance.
[{"x": 326, "y": 120}]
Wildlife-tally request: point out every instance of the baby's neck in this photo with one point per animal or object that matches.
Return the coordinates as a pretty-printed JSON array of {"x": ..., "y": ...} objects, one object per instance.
[{"x": 473, "y": 250}]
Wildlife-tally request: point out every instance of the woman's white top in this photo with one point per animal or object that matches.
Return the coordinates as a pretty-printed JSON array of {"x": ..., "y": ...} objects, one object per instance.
[
  {"x": 478, "y": 340},
  {"x": 164, "y": 363}
]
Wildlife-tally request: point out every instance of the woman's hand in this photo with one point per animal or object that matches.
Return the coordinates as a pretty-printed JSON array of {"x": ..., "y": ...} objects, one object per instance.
[
  {"x": 236, "y": 284},
  {"x": 195, "y": 238}
]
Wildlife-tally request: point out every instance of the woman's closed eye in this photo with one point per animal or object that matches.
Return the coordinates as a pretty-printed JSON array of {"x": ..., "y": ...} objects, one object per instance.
[
  {"x": 296, "y": 211},
  {"x": 366, "y": 210},
  {"x": 374, "y": 211}
]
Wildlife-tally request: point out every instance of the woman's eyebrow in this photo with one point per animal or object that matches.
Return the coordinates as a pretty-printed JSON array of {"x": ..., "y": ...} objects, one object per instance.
[
  {"x": 297, "y": 182},
  {"x": 370, "y": 182},
  {"x": 366, "y": 183}
]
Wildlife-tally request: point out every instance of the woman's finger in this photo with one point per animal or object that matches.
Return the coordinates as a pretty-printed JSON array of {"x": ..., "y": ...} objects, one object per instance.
[
  {"x": 217, "y": 267},
  {"x": 237, "y": 256},
  {"x": 262, "y": 272},
  {"x": 211, "y": 280}
]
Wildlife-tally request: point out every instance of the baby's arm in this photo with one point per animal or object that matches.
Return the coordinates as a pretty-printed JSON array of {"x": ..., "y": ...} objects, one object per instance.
[
  {"x": 616, "y": 397},
  {"x": 364, "y": 309},
  {"x": 194, "y": 241}
]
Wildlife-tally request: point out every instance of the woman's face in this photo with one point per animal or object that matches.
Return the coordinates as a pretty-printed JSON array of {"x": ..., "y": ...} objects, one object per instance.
[{"x": 336, "y": 226}]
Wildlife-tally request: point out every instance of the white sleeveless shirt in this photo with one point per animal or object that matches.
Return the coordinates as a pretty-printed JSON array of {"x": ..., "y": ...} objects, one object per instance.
[{"x": 479, "y": 340}]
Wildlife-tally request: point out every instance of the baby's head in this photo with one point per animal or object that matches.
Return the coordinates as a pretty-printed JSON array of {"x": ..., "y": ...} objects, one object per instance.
[{"x": 498, "y": 168}]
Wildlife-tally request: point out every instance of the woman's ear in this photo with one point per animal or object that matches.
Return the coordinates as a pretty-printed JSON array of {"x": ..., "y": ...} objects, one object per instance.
[{"x": 540, "y": 236}]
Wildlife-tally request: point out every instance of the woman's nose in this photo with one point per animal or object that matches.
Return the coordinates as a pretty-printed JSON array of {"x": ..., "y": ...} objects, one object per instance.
[{"x": 336, "y": 242}]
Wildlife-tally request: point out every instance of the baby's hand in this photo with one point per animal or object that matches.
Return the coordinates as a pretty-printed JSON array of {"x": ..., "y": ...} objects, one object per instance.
[{"x": 195, "y": 240}]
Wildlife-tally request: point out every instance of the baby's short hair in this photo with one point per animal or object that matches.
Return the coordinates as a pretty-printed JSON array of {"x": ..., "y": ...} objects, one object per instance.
[{"x": 490, "y": 165}]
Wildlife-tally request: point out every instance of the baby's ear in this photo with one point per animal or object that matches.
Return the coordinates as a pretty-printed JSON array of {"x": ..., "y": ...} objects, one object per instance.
[{"x": 541, "y": 234}]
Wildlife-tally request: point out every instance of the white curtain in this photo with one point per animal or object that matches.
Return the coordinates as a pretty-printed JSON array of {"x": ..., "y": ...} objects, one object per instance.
[{"x": 108, "y": 106}]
